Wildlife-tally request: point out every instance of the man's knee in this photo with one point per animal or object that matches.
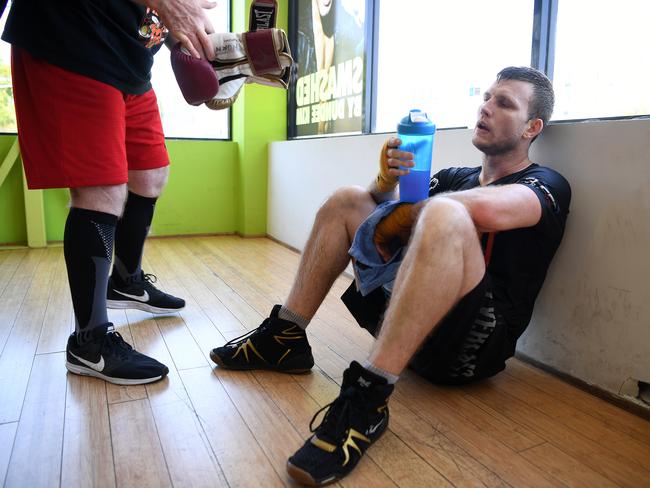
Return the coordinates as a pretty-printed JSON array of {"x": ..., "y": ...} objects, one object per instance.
[
  {"x": 445, "y": 218},
  {"x": 345, "y": 201},
  {"x": 448, "y": 216},
  {"x": 149, "y": 182},
  {"x": 108, "y": 199}
]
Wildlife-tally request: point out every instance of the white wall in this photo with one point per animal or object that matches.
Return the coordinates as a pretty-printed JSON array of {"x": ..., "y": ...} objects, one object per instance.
[{"x": 592, "y": 318}]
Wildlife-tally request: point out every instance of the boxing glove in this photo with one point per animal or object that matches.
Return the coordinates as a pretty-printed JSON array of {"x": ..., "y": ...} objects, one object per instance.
[
  {"x": 261, "y": 56},
  {"x": 196, "y": 78}
]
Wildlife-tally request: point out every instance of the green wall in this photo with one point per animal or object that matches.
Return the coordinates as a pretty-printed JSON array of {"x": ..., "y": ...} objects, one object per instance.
[
  {"x": 215, "y": 187},
  {"x": 55, "y": 208},
  {"x": 200, "y": 195},
  {"x": 259, "y": 117},
  {"x": 12, "y": 207}
]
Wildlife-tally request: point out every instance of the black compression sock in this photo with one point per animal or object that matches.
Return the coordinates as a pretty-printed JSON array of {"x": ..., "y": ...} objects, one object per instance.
[
  {"x": 132, "y": 230},
  {"x": 87, "y": 246}
]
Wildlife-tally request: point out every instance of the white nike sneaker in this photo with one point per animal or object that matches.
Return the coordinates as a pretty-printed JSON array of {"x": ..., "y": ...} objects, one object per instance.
[
  {"x": 141, "y": 295},
  {"x": 109, "y": 357}
]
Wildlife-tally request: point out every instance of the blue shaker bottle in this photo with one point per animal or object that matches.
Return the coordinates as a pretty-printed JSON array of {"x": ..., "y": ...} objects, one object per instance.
[{"x": 416, "y": 132}]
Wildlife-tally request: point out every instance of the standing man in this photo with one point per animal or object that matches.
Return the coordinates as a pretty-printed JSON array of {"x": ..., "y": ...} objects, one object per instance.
[
  {"x": 477, "y": 255},
  {"x": 88, "y": 120}
]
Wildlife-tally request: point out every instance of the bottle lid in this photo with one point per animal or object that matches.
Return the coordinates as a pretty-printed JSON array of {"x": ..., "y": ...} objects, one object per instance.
[{"x": 416, "y": 122}]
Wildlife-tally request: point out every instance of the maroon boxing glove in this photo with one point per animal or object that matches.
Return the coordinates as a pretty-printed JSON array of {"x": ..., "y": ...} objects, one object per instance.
[{"x": 196, "y": 77}]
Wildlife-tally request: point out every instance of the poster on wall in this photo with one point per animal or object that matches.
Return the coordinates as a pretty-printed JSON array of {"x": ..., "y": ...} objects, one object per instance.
[{"x": 328, "y": 41}]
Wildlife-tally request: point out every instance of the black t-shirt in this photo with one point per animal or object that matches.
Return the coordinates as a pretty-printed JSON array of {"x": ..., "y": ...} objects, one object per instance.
[
  {"x": 519, "y": 257},
  {"x": 94, "y": 38}
]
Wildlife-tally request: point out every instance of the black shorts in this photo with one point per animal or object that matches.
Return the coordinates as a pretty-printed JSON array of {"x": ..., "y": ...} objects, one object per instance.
[{"x": 471, "y": 342}]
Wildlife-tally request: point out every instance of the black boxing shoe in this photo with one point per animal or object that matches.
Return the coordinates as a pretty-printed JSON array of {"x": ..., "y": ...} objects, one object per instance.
[
  {"x": 276, "y": 345},
  {"x": 352, "y": 423}
]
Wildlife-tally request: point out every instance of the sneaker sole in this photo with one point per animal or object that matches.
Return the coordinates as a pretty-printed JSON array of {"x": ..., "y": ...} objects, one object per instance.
[
  {"x": 217, "y": 360},
  {"x": 145, "y": 307},
  {"x": 303, "y": 477},
  {"x": 83, "y": 371}
]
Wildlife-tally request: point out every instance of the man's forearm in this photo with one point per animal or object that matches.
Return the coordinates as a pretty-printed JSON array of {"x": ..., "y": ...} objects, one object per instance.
[{"x": 498, "y": 208}]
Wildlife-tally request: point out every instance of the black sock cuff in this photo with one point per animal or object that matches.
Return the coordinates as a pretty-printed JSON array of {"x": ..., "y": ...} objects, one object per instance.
[
  {"x": 135, "y": 199},
  {"x": 94, "y": 215}
]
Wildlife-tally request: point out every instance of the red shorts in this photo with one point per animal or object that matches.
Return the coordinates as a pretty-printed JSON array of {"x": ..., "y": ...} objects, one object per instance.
[{"x": 75, "y": 131}]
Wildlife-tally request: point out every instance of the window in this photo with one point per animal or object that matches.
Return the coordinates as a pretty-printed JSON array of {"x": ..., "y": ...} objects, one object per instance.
[
  {"x": 441, "y": 56},
  {"x": 180, "y": 119},
  {"x": 7, "y": 114},
  {"x": 601, "y": 60},
  {"x": 327, "y": 94}
]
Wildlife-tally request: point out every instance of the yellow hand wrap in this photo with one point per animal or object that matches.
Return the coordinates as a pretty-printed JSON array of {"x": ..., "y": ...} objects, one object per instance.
[
  {"x": 396, "y": 225},
  {"x": 385, "y": 182}
]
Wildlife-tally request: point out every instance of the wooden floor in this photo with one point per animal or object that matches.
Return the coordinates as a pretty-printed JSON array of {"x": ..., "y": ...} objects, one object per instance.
[{"x": 208, "y": 427}]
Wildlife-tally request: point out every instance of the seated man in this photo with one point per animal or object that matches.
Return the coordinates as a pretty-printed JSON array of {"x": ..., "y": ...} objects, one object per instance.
[{"x": 478, "y": 251}]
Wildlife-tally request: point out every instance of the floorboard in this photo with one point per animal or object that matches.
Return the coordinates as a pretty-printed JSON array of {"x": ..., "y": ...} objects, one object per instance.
[{"x": 206, "y": 427}]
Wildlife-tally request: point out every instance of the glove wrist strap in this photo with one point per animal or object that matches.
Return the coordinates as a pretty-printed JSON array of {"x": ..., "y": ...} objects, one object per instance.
[{"x": 261, "y": 51}]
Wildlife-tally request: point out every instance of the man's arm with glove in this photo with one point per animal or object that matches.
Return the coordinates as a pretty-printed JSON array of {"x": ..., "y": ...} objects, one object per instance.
[
  {"x": 394, "y": 230},
  {"x": 390, "y": 160}
]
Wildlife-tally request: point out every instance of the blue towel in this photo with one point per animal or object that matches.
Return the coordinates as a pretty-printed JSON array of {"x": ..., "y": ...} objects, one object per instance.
[{"x": 370, "y": 270}]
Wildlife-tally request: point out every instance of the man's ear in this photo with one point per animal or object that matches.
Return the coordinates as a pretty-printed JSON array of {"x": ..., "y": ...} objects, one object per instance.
[{"x": 533, "y": 128}]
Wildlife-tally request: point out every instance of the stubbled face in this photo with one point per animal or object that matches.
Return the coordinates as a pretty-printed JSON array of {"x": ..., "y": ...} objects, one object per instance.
[{"x": 503, "y": 117}]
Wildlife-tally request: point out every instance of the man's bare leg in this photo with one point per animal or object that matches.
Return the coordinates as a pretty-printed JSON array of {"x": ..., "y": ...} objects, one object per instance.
[
  {"x": 326, "y": 253},
  {"x": 444, "y": 263},
  {"x": 280, "y": 342}
]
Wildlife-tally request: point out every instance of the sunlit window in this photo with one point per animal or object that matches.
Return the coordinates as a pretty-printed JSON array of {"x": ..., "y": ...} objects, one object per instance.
[
  {"x": 602, "y": 68},
  {"x": 441, "y": 56}
]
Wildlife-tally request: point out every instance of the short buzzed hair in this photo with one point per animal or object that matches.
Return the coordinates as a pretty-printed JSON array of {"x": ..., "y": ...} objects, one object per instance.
[{"x": 541, "y": 106}]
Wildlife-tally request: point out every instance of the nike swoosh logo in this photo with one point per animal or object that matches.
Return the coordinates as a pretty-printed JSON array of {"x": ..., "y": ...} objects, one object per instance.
[
  {"x": 371, "y": 430},
  {"x": 141, "y": 298},
  {"x": 98, "y": 366}
]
